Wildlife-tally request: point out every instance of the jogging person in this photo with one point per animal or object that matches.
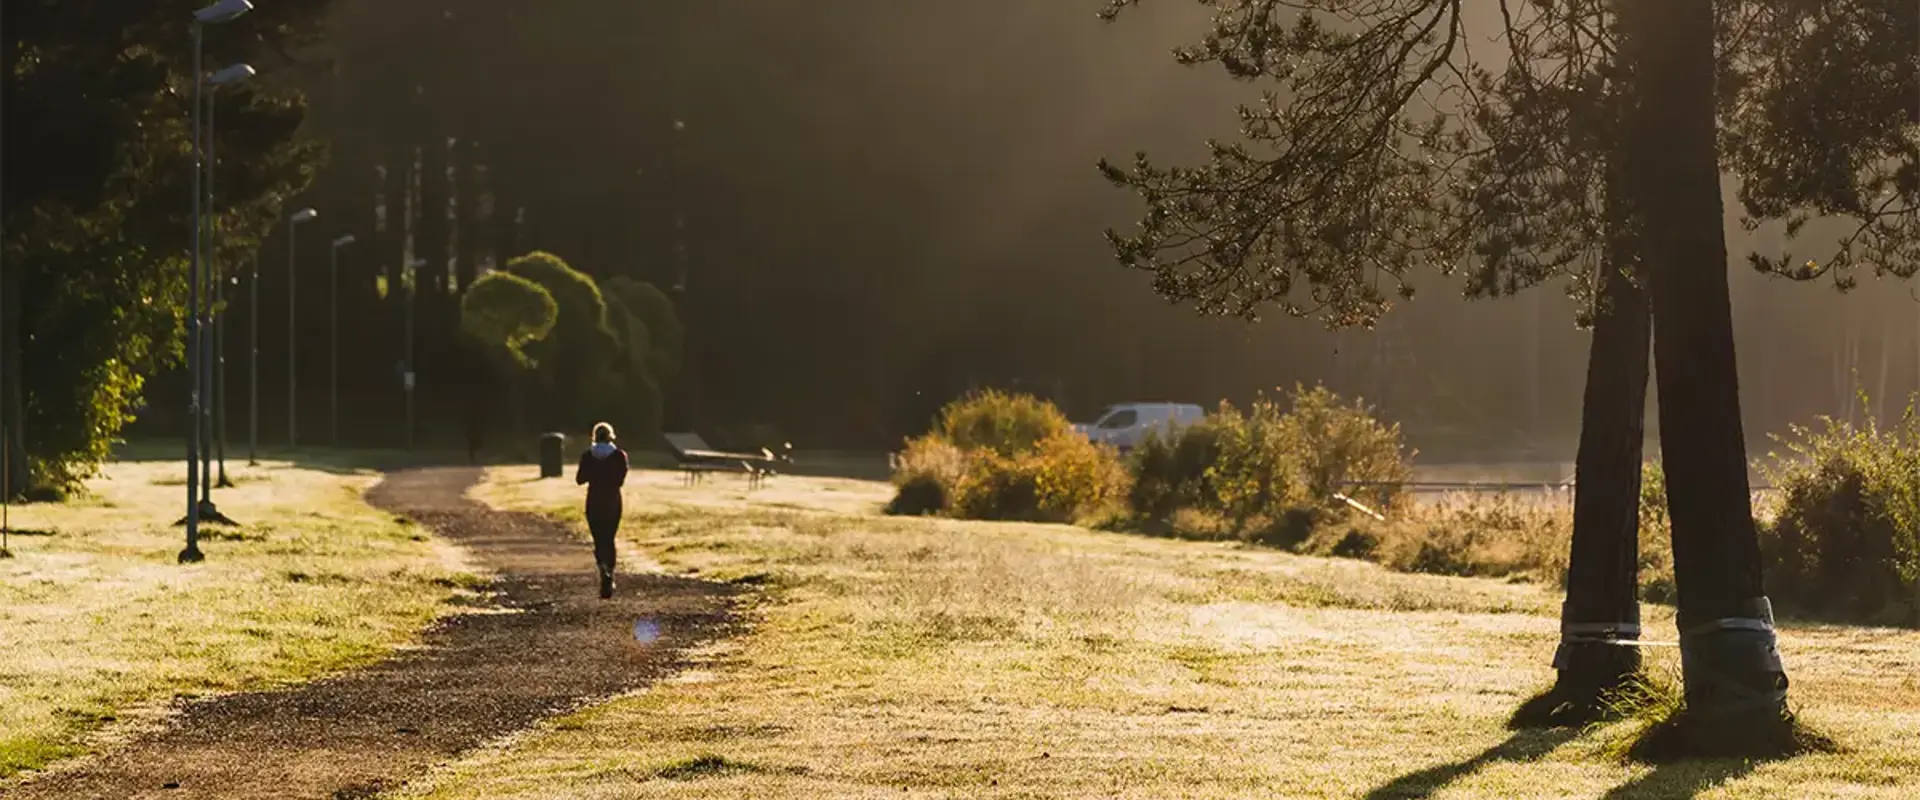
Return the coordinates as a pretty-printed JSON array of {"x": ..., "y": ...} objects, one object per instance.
[{"x": 603, "y": 470}]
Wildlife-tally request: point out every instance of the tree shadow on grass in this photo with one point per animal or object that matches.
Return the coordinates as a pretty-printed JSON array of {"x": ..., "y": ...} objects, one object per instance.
[
  {"x": 337, "y": 461},
  {"x": 38, "y": 532},
  {"x": 1680, "y": 780},
  {"x": 1523, "y": 745}
]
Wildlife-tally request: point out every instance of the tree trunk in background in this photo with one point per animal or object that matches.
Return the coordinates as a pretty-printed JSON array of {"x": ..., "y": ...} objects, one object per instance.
[
  {"x": 433, "y": 244},
  {"x": 1602, "y": 603},
  {"x": 12, "y": 397},
  {"x": 506, "y": 234},
  {"x": 390, "y": 253},
  {"x": 1731, "y": 668},
  {"x": 395, "y": 248},
  {"x": 466, "y": 197},
  {"x": 1886, "y": 366},
  {"x": 436, "y": 366}
]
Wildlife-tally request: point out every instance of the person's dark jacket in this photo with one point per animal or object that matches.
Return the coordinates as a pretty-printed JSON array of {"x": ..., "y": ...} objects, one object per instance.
[{"x": 603, "y": 470}]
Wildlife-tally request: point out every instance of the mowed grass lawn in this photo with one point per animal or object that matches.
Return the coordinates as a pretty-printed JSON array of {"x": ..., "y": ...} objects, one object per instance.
[
  {"x": 100, "y": 628},
  {"x": 925, "y": 658}
]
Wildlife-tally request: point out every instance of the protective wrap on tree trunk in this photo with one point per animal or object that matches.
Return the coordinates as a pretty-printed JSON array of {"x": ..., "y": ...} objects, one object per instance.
[
  {"x": 1583, "y": 636},
  {"x": 1720, "y": 659}
]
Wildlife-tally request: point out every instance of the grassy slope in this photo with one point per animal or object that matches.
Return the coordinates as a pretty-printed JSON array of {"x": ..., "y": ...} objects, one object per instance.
[
  {"x": 98, "y": 623},
  {"x": 908, "y": 658}
]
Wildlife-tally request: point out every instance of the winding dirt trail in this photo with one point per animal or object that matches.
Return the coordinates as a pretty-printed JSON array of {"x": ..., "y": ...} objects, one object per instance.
[{"x": 475, "y": 677}]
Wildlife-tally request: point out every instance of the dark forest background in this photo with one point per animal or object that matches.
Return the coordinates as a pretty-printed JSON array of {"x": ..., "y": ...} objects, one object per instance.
[{"x": 865, "y": 207}]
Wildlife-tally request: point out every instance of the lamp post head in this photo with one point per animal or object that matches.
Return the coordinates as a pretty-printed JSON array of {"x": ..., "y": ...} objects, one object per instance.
[
  {"x": 303, "y": 215},
  {"x": 222, "y": 11},
  {"x": 344, "y": 241},
  {"x": 233, "y": 74}
]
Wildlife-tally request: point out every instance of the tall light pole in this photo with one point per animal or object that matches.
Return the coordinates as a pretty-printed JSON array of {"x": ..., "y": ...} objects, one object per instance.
[
  {"x": 223, "y": 11},
  {"x": 407, "y": 277},
  {"x": 253, "y": 365},
  {"x": 6, "y": 444},
  {"x": 213, "y": 347},
  {"x": 333, "y": 333},
  {"x": 293, "y": 307}
]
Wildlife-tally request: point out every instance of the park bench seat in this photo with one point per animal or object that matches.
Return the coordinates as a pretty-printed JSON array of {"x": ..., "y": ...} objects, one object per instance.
[{"x": 697, "y": 459}]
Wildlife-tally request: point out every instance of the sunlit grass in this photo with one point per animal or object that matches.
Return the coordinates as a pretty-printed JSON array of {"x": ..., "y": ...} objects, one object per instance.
[
  {"x": 100, "y": 625},
  {"x": 922, "y": 658}
]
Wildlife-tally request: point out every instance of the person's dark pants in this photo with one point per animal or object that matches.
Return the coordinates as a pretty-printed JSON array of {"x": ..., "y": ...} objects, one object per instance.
[{"x": 604, "y": 523}]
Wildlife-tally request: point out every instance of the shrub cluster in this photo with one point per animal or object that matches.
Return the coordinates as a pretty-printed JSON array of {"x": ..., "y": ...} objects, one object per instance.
[
  {"x": 1844, "y": 539},
  {"x": 1000, "y": 456},
  {"x": 1272, "y": 474},
  {"x": 1841, "y": 536}
]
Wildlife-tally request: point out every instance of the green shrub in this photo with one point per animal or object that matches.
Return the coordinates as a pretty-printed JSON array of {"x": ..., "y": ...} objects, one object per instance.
[
  {"x": 918, "y": 496},
  {"x": 998, "y": 487},
  {"x": 1076, "y": 476},
  {"x": 1063, "y": 479},
  {"x": 1170, "y": 471},
  {"x": 925, "y": 472},
  {"x": 997, "y": 456},
  {"x": 1335, "y": 441},
  {"x": 1270, "y": 473},
  {"x": 1844, "y": 541},
  {"x": 1253, "y": 477},
  {"x": 1007, "y": 424}
]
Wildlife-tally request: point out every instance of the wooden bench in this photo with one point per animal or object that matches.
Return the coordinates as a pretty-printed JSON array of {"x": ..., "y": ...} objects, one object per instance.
[{"x": 697, "y": 459}]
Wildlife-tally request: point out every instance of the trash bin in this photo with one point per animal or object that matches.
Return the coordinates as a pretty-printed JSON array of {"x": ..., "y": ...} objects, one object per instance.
[{"x": 553, "y": 448}]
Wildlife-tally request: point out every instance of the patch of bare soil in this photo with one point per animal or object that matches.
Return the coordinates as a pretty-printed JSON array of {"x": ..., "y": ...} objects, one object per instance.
[{"x": 546, "y": 645}]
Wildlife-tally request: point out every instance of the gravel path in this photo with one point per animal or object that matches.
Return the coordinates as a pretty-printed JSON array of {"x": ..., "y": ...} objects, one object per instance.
[{"x": 477, "y": 676}]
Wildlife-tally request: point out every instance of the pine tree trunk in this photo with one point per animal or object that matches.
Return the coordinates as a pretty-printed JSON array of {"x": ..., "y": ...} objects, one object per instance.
[
  {"x": 466, "y": 200},
  {"x": 1602, "y": 604},
  {"x": 433, "y": 244},
  {"x": 1887, "y": 339},
  {"x": 391, "y": 250},
  {"x": 12, "y": 394},
  {"x": 504, "y": 223},
  {"x": 13, "y": 451},
  {"x": 1730, "y": 665}
]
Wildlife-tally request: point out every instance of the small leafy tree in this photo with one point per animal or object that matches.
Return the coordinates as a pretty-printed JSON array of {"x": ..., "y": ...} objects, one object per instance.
[
  {"x": 1338, "y": 442},
  {"x": 509, "y": 312},
  {"x": 666, "y": 334},
  {"x": 505, "y": 313},
  {"x": 576, "y": 363},
  {"x": 641, "y": 402},
  {"x": 1254, "y": 476}
]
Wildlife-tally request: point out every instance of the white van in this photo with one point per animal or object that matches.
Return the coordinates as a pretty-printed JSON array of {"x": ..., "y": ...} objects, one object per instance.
[{"x": 1127, "y": 425}]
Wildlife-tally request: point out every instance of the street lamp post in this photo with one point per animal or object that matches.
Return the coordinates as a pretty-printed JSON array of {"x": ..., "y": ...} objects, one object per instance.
[
  {"x": 407, "y": 377},
  {"x": 253, "y": 365},
  {"x": 333, "y": 332},
  {"x": 222, "y": 11},
  {"x": 213, "y": 347},
  {"x": 293, "y": 299}
]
